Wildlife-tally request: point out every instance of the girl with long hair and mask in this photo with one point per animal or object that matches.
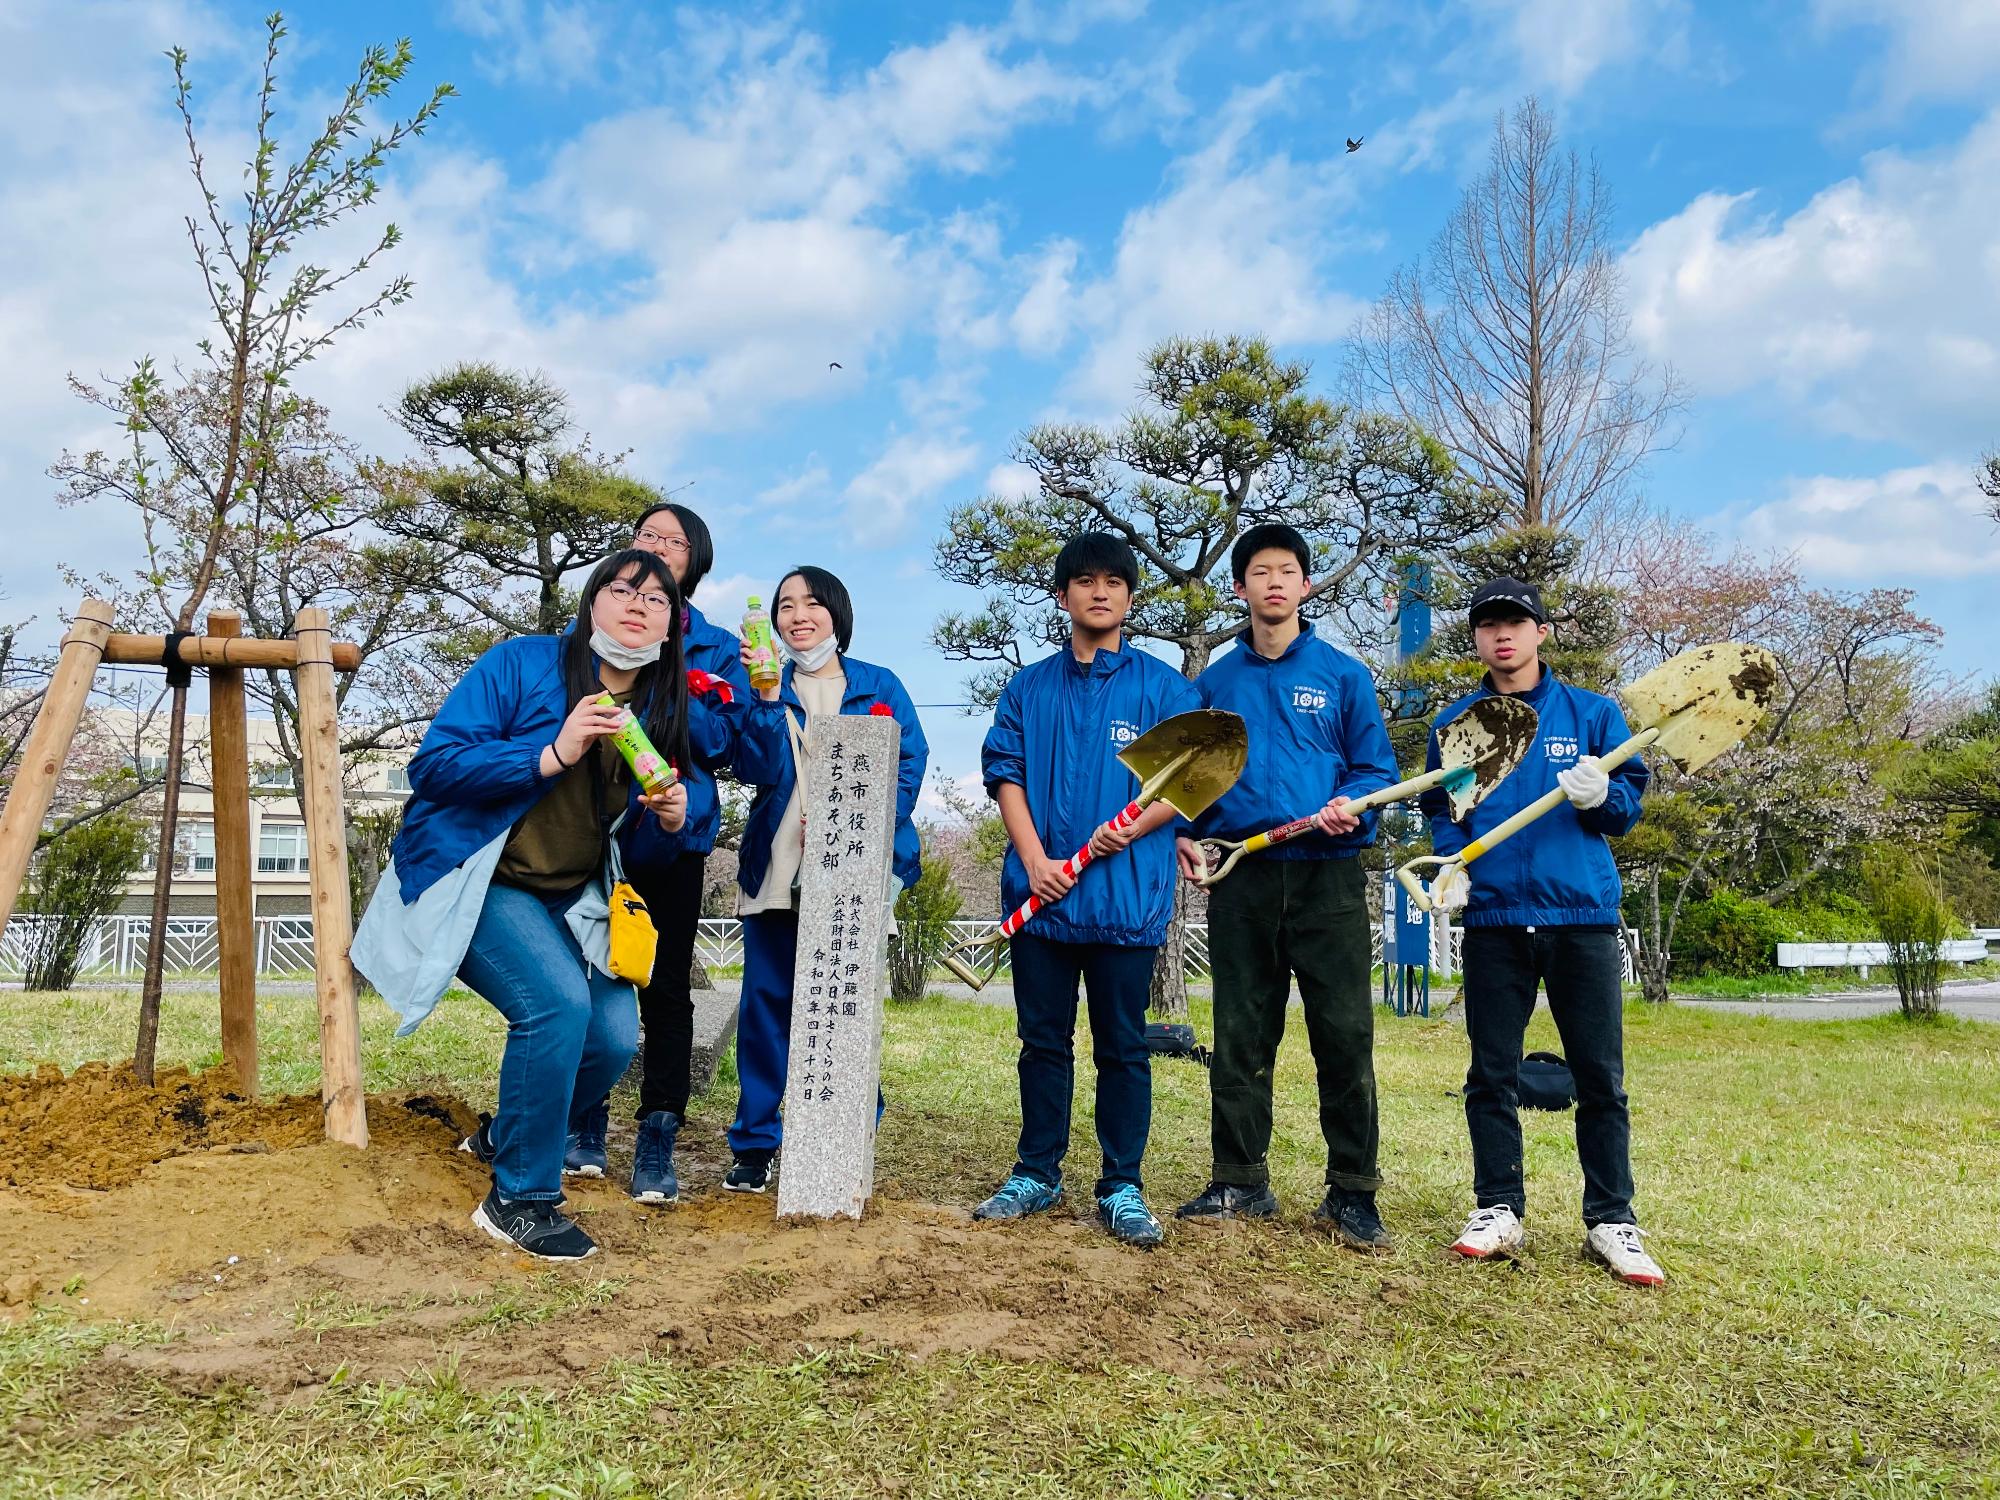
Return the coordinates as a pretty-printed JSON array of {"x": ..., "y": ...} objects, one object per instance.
[
  {"x": 516, "y": 793},
  {"x": 814, "y": 620}
]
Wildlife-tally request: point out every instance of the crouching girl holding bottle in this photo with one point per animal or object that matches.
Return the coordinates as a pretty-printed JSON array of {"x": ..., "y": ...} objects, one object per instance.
[{"x": 496, "y": 875}]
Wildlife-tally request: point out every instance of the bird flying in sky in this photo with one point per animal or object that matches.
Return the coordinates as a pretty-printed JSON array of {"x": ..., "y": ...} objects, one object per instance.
[{"x": 1354, "y": 143}]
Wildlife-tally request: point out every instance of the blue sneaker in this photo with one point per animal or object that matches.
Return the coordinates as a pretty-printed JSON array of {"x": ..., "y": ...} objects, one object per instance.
[
  {"x": 1018, "y": 1197},
  {"x": 653, "y": 1179},
  {"x": 585, "y": 1156},
  {"x": 1125, "y": 1214}
]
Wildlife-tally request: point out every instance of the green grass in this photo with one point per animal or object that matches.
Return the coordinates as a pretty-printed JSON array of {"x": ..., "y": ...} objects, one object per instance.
[{"x": 1822, "y": 1194}]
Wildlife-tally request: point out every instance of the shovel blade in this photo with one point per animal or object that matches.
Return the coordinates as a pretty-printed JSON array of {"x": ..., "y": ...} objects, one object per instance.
[
  {"x": 1490, "y": 739},
  {"x": 1220, "y": 744},
  {"x": 1704, "y": 701}
]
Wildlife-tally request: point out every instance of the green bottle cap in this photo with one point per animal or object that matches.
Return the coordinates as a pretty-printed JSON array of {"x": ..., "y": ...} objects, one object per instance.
[{"x": 755, "y": 602}]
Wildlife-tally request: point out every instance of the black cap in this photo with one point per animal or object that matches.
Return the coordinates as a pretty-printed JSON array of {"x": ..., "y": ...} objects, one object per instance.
[{"x": 1507, "y": 596}]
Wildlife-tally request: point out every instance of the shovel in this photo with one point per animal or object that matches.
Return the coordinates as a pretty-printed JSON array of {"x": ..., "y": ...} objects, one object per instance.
[
  {"x": 1694, "y": 707},
  {"x": 1188, "y": 761},
  {"x": 1477, "y": 750}
]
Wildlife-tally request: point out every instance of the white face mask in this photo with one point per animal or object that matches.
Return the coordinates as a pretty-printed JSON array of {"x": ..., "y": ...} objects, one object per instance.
[
  {"x": 813, "y": 657},
  {"x": 614, "y": 653}
]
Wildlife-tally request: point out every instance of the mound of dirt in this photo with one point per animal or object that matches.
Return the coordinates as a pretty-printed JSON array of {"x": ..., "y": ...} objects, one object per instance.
[
  {"x": 280, "y": 1263},
  {"x": 100, "y": 1127}
]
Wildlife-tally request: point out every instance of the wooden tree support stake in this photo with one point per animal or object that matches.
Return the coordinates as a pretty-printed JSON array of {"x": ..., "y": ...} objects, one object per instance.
[
  {"x": 48, "y": 747},
  {"x": 333, "y": 921},
  {"x": 235, "y": 901}
]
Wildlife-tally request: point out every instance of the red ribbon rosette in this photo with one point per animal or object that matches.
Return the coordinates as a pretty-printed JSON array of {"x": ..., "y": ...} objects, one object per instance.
[{"x": 703, "y": 683}]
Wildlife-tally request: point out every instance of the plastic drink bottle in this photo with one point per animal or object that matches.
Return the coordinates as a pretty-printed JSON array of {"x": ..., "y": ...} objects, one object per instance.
[
  {"x": 654, "y": 771},
  {"x": 763, "y": 644}
]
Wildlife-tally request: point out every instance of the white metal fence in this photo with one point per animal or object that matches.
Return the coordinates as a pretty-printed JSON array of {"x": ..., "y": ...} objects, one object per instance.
[{"x": 116, "y": 946}]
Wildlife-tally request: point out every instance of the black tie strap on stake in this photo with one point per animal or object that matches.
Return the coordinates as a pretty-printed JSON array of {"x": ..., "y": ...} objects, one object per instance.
[{"x": 179, "y": 672}]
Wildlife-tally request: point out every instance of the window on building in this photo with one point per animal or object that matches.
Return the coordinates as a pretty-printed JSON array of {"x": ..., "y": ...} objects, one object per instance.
[
  {"x": 194, "y": 849},
  {"x": 399, "y": 778},
  {"x": 272, "y": 778},
  {"x": 281, "y": 849},
  {"x": 203, "y": 862}
]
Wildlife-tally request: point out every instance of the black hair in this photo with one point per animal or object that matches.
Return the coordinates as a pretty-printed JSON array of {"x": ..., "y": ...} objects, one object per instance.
[
  {"x": 660, "y": 690},
  {"x": 1270, "y": 536},
  {"x": 1096, "y": 552},
  {"x": 701, "y": 546},
  {"x": 829, "y": 591}
]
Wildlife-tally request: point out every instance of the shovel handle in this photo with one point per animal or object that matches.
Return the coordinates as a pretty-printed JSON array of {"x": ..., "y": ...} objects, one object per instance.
[
  {"x": 1402, "y": 791},
  {"x": 1072, "y": 867},
  {"x": 1548, "y": 801}
]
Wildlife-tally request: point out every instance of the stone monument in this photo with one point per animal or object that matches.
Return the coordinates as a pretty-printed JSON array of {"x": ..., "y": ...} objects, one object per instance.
[{"x": 849, "y": 794}]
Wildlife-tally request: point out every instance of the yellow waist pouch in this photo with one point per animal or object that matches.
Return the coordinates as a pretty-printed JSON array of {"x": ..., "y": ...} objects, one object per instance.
[{"x": 634, "y": 940}]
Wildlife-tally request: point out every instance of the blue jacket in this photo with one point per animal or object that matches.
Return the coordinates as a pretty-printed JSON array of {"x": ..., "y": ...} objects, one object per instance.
[
  {"x": 478, "y": 770},
  {"x": 712, "y": 730},
  {"x": 1558, "y": 871},
  {"x": 1316, "y": 733},
  {"x": 1056, "y": 734},
  {"x": 764, "y": 760}
]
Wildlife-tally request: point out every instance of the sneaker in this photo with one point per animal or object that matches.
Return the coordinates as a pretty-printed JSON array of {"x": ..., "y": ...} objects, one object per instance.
[
  {"x": 1352, "y": 1217},
  {"x": 750, "y": 1172},
  {"x": 480, "y": 1142},
  {"x": 1231, "y": 1200},
  {"x": 585, "y": 1155},
  {"x": 1616, "y": 1247},
  {"x": 1490, "y": 1231},
  {"x": 1125, "y": 1214},
  {"x": 533, "y": 1227},
  {"x": 1019, "y": 1196},
  {"x": 653, "y": 1179}
]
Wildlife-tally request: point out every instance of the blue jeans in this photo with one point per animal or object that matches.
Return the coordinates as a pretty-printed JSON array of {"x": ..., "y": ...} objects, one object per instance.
[
  {"x": 1582, "y": 971},
  {"x": 571, "y": 1032},
  {"x": 1117, "y": 982}
]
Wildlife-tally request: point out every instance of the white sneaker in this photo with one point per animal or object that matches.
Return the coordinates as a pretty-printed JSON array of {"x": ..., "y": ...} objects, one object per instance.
[
  {"x": 1617, "y": 1248},
  {"x": 1490, "y": 1231}
]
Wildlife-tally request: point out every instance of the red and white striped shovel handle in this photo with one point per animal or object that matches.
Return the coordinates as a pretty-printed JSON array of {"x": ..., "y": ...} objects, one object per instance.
[{"x": 1072, "y": 867}]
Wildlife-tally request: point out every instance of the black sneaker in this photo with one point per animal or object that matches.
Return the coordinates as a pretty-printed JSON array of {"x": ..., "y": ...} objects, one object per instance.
[
  {"x": 653, "y": 1178},
  {"x": 583, "y": 1152},
  {"x": 480, "y": 1142},
  {"x": 534, "y": 1227},
  {"x": 1231, "y": 1200},
  {"x": 1352, "y": 1218},
  {"x": 749, "y": 1173}
]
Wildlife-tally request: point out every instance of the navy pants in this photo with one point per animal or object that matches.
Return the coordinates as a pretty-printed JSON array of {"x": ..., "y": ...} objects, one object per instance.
[{"x": 1117, "y": 982}]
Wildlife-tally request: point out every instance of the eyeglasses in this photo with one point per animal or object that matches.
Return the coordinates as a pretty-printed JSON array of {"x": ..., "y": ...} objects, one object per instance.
[
  {"x": 624, "y": 593},
  {"x": 650, "y": 537}
]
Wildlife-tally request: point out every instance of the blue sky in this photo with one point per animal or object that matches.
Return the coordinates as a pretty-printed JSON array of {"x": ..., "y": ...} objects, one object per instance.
[{"x": 984, "y": 213}]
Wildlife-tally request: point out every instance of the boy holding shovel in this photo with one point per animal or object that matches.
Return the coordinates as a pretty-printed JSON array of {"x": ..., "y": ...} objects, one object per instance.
[
  {"x": 1543, "y": 909},
  {"x": 1051, "y": 763},
  {"x": 1295, "y": 909}
]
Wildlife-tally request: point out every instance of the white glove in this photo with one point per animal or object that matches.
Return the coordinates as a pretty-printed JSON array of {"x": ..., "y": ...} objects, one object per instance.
[
  {"x": 1586, "y": 783},
  {"x": 1451, "y": 890}
]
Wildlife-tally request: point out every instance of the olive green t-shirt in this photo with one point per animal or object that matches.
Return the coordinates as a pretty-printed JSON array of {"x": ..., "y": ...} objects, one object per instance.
[{"x": 560, "y": 843}]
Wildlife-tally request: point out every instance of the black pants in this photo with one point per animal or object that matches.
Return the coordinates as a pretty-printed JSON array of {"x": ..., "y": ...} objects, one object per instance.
[
  {"x": 666, "y": 1009},
  {"x": 1270, "y": 920},
  {"x": 1581, "y": 968},
  {"x": 1117, "y": 983}
]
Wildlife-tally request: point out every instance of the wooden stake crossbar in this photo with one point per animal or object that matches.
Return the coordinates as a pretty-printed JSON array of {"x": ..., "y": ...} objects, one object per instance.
[{"x": 313, "y": 657}]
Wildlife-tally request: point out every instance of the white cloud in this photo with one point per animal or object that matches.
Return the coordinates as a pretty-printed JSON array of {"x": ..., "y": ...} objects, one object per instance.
[
  {"x": 807, "y": 483},
  {"x": 549, "y": 43},
  {"x": 723, "y": 600},
  {"x": 1875, "y": 307},
  {"x": 914, "y": 467},
  {"x": 1239, "y": 242},
  {"x": 1012, "y": 481},
  {"x": 1936, "y": 48},
  {"x": 1928, "y": 521},
  {"x": 1041, "y": 319},
  {"x": 1561, "y": 45}
]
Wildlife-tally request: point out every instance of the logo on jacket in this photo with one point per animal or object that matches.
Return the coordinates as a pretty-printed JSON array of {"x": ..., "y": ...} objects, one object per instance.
[
  {"x": 1560, "y": 748},
  {"x": 1307, "y": 699},
  {"x": 1123, "y": 732}
]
